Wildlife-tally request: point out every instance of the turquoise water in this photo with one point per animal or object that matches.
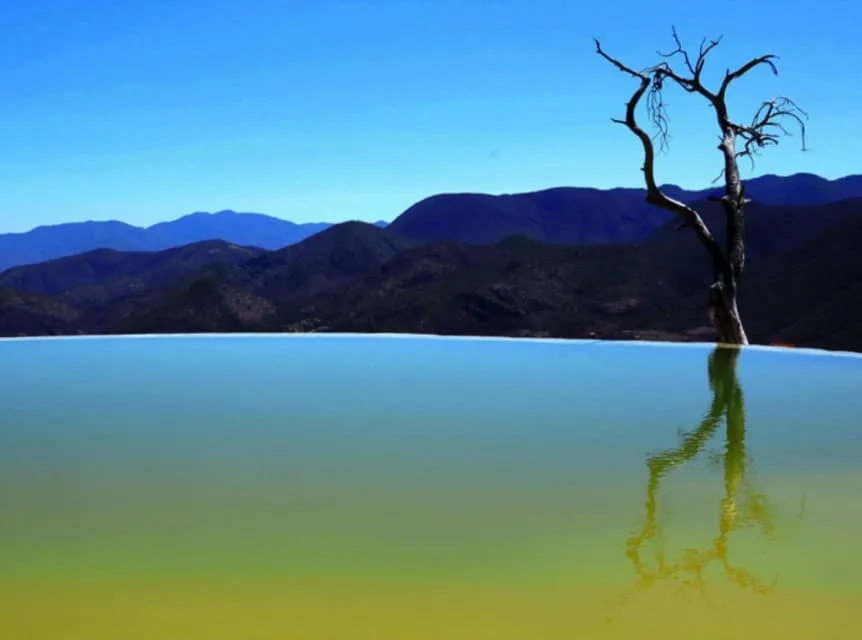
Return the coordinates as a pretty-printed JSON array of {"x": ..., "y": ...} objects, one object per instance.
[{"x": 334, "y": 470}]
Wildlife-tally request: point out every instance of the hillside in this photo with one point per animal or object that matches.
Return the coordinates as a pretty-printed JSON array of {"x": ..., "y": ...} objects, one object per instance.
[
  {"x": 516, "y": 287},
  {"x": 334, "y": 256},
  {"x": 105, "y": 274},
  {"x": 26, "y": 314},
  {"x": 224, "y": 297},
  {"x": 205, "y": 304},
  {"x": 769, "y": 230},
  {"x": 812, "y": 295}
]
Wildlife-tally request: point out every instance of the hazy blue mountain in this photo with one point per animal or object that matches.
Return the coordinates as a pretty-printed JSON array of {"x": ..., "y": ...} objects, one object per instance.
[
  {"x": 62, "y": 240},
  {"x": 56, "y": 241},
  {"x": 246, "y": 229}
]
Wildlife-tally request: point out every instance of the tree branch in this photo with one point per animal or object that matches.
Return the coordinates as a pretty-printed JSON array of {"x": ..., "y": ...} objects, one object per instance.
[
  {"x": 730, "y": 76},
  {"x": 766, "y": 126},
  {"x": 655, "y": 196},
  {"x": 692, "y": 84}
]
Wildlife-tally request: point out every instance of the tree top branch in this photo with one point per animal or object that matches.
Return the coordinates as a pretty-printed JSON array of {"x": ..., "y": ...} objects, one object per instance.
[
  {"x": 730, "y": 76},
  {"x": 619, "y": 65}
]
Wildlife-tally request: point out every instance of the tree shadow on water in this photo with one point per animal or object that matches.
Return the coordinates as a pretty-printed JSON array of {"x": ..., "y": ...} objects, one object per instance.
[{"x": 741, "y": 506}]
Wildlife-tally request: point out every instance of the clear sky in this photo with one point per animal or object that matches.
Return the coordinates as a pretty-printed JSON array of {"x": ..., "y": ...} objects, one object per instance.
[{"x": 328, "y": 110}]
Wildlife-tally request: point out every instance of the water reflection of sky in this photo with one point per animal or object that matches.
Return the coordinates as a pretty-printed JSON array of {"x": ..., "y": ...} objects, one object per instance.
[{"x": 526, "y": 406}]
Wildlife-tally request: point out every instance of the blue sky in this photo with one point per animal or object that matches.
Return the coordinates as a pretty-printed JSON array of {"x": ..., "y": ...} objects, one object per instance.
[{"x": 332, "y": 110}]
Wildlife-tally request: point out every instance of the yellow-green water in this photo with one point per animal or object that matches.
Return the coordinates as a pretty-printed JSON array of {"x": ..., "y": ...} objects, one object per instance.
[{"x": 347, "y": 487}]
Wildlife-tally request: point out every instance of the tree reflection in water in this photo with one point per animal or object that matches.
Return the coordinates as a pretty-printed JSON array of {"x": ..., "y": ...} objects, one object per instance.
[{"x": 741, "y": 506}]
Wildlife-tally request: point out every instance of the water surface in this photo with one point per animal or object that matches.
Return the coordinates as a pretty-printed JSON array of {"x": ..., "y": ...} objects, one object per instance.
[{"x": 368, "y": 487}]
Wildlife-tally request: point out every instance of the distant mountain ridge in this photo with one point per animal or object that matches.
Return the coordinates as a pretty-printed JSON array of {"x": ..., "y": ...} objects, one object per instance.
[
  {"x": 579, "y": 215},
  {"x": 68, "y": 239},
  {"x": 562, "y": 215},
  {"x": 798, "y": 189}
]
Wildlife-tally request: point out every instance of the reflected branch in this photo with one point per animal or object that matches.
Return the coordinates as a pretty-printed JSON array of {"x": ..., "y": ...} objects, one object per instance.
[{"x": 740, "y": 507}]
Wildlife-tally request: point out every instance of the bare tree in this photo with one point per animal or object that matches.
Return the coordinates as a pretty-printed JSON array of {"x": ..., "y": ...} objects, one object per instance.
[{"x": 765, "y": 130}]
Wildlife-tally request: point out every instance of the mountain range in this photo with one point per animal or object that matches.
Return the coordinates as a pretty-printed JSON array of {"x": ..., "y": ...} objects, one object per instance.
[
  {"x": 68, "y": 239},
  {"x": 474, "y": 264},
  {"x": 565, "y": 215}
]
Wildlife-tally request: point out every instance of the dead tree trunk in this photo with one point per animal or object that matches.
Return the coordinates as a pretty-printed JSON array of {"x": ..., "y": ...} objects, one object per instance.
[{"x": 728, "y": 263}]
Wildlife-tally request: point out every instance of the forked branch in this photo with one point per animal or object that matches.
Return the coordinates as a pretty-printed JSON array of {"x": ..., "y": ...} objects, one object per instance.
[
  {"x": 768, "y": 124},
  {"x": 692, "y": 84},
  {"x": 655, "y": 195}
]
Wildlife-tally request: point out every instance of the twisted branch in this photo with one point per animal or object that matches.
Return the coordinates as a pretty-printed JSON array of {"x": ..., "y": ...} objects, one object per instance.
[
  {"x": 767, "y": 123},
  {"x": 655, "y": 195}
]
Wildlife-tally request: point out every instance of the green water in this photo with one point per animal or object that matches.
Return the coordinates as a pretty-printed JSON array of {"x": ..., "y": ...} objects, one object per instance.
[{"x": 371, "y": 487}]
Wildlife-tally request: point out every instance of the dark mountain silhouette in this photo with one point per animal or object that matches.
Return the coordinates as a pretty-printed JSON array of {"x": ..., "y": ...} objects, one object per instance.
[
  {"x": 516, "y": 287},
  {"x": 812, "y": 295},
  {"x": 58, "y": 241},
  {"x": 27, "y": 314},
  {"x": 573, "y": 215},
  {"x": 566, "y": 215},
  {"x": 223, "y": 297},
  {"x": 769, "y": 230},
  {"x": 334, "y": 256},
  {"x": 205, "y": 304},
  {"x": 105, "y": 274}
]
